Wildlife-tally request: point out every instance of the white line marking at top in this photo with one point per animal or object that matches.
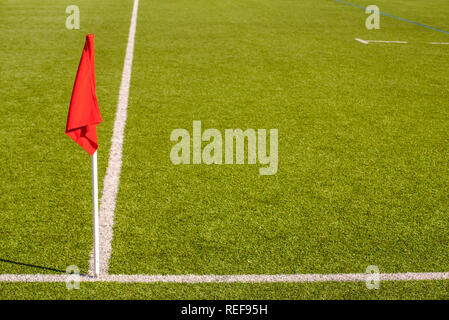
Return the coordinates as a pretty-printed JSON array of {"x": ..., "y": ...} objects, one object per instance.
[
  {"x": 378, "y": 41},
  {"x": 112, "y": 178},
  {"x": 439, "y": 42},
  {"x": 362, "y": 41},
  {"x": 234, "y": 278},
  {"x": 385, "y": 41}
]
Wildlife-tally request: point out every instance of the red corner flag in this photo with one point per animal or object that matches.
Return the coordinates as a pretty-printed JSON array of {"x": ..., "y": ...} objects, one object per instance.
[{"x": 84, "y": 114}]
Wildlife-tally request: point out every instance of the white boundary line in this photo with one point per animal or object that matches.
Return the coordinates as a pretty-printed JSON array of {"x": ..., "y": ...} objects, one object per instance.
[
  {"x": 248, "y": 278},
  {"x": 378, "y": 41},
  {"x": 112, "y": 178},
  {"x": 362, "y": 41},
  {"x": 384, "y": 41}
]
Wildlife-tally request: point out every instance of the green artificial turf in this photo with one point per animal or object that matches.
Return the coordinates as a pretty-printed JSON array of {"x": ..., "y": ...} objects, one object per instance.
[
  {"x": 45, "y": 178},
  {"x": 363, "y": 145},
  {"x": 278, "y": 291},
  {"x": 363, "y": 135}
]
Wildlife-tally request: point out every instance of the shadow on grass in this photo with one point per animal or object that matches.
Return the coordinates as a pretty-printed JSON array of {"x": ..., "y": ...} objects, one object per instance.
[{"x": 31, "y": 266}]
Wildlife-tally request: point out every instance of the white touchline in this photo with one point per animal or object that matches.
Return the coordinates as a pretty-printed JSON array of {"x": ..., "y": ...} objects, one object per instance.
[
  {"x": 238, "y": 278},
  {"x": 362, "y": 41},
  {"x": 378, "y": 41},
  {"x": 112, "y": 178},
  {"x": 385, "y": 41},
  {"x": 439, "y": 43}
]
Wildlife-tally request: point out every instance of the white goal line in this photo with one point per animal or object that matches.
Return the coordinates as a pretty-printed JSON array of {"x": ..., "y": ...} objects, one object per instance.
[
  {"x": 237, "y": 278},
  {"x": 378, "y": 41},
  {"x": 393, "y": 41}
]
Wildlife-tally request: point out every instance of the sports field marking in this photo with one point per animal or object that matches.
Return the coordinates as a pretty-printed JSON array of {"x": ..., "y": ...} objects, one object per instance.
[
  {"x": 243, "y": 278},
  {"x": 362, "y": 41},
  {"x": 385, "y": 41},
  {"x": 378, "y": 41},
  {"x": 391, "y": 16},
  {"x": 445, "y": 43},
  {"x": 112, "y": 178}
]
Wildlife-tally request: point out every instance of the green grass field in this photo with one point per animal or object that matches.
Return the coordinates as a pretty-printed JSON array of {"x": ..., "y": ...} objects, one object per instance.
[{"x": 363, "y": 146}]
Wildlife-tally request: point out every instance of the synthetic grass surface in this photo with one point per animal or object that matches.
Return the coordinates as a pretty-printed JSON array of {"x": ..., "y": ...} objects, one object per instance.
[
  {"x": 363, "y": 142},
  {"x": 363, "y": 135},
  {"x": 45, "y": 178},
  {"x": 278, "y": 291}
]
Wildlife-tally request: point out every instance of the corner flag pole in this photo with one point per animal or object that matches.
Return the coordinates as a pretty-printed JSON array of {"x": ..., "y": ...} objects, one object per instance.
[{"x": 95, "y": 215}]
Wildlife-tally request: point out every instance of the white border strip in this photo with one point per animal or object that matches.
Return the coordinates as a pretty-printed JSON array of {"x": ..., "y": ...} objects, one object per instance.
[
  {"x": 112, "y": 178},
  {"x": 361, "y": 41},
  {"x": 384, "y": 41},
  {"x": 446, "y": 43},
  {"x": 244, "y": 278},
  {"x": 379, "y": 41}
]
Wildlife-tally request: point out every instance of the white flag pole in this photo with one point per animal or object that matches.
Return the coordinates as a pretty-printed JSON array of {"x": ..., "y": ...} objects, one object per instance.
[{"x": 95, "y": 215}]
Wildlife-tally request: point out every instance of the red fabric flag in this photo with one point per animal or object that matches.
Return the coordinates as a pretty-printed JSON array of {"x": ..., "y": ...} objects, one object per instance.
[{"x": 84, "y": 113}]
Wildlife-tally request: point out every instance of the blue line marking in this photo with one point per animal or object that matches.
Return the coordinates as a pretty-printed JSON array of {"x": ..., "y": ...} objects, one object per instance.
[{"x": 391, "y": 16}]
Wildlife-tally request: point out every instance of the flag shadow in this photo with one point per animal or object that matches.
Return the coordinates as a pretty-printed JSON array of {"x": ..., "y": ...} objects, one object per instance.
[{"x": 32, "y": 266}]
